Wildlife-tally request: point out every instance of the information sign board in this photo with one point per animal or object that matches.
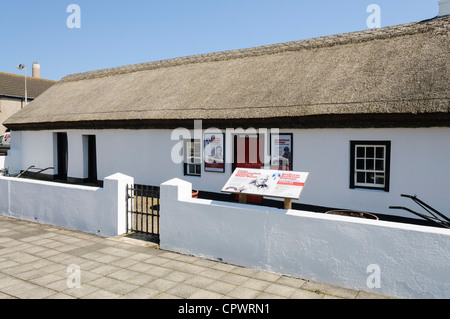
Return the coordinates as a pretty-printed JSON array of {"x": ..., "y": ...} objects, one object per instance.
[{"x": 271, "y": 183}]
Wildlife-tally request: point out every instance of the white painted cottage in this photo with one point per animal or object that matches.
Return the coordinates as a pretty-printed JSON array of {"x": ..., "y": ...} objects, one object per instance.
[{"x": 367, "y": 114}]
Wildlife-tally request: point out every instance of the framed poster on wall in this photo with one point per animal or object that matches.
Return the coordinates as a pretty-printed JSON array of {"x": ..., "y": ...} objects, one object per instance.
[
  {"x": 214, "y": 152},
  {"x": 281, "y": 150}
]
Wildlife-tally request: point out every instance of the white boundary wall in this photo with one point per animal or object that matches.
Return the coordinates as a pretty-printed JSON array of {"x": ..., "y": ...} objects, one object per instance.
[
  {"x": 413, "y": 261},
  {"x": 100, "y": 211}
]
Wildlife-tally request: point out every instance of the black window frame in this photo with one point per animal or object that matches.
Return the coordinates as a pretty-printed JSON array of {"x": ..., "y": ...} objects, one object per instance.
[{"x": 387, "y": 164}]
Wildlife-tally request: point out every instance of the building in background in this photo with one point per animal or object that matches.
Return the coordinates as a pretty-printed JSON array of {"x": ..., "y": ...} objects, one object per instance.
[{"x": 12, "y": 91}]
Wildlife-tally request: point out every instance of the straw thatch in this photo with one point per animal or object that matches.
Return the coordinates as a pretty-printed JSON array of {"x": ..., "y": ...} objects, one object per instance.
[{"x": 395, "y": 70}]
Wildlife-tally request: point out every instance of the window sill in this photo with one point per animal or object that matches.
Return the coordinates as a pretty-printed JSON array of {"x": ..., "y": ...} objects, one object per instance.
[{"x": 381, "y": 189}]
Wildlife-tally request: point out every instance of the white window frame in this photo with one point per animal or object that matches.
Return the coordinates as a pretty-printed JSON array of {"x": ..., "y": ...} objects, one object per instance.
[{"x": 192, "y": 157}]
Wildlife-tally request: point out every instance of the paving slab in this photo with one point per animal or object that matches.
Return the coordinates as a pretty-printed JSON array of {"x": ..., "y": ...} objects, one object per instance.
[{"x": 44, "y": 262}]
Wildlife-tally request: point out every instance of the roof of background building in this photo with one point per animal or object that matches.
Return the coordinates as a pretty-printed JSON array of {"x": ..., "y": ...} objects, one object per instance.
[
  {"x": 392, "y": 71},
  {"x": 13, "y": 85}
]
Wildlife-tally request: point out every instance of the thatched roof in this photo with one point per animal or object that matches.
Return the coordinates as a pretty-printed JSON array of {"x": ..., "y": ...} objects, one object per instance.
[{"x": 399, "y": 70}]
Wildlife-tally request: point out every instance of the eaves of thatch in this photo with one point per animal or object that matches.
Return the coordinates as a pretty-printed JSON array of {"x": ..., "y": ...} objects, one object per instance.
[{"x": 388, "y": 77}]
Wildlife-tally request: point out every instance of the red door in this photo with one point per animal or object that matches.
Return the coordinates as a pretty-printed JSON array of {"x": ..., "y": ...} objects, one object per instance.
[{"x": 248, "y": 153}]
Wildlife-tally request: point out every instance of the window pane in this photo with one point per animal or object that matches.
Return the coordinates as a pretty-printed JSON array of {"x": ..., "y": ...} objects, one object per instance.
[
  {"x": 370, "y": 152},
  {"x": 370, "y": 178},
  {"x": 380, "y": 152},
  {"x": 360, "y": 151},
  {"x": 360, "y": 164},
  {"x": 369, "y": 164},
  {"x": 197, "y": 149},
  {"x": 360, "y": 177},
  {"x": 379, "y": 179},
  {"x": 379, "y": 165}
]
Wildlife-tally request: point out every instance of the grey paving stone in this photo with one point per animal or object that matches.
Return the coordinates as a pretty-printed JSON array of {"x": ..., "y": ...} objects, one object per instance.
[
  {"x": 220, "y": 287},
  {"x": 306, "y": 294},
  {"x": 280, "y": 290},
  {"x": 256, "y": 284},
  {"x": 141, "y": 279},
  {"x": 182, "y": 290},
  {"x": 81, "y": 291},
  {"x": 342, "y": 292},
  {"x": 60, "y": 295},
  {"x": 199, "y": 281},
  {"x": 19, "y": 289},
  {"x": 369, "y": 295},
  {"x": 315, "y": 287},
  {"x": 165, "y": 295},
  {"x": 291, "y": 282},
  {"x": 160, "y": 284},
  {"x": 233, "y": 278},
  {"x": 35, "y": 293},
  {"x": 47, "y": 279},
  {"x": 35, "y": 259},
  {"x": 102, "y": 294},
  {"x": 266, "y": 295},
  {"x": 212, "y": 273},
  {"x": 123, "y": 274},
  {"x": 178, "y": 276},
  {"x": 141, "y": 293},
  {"x": 113, "y": 285},
  {"x": 243, "y": 293},
  {"x": 205, "y": 294}
]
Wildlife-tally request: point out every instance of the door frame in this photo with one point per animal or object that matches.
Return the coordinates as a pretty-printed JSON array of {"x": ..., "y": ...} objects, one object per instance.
[
  {"x": 259, "y": 137},
  {"x": 62, "y": 155}
]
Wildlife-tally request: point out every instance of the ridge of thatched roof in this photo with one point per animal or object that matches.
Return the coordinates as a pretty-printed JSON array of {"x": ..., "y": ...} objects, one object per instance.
[
  {"x": 394, "y": 70},
  {"x": 431, "y": 25}
]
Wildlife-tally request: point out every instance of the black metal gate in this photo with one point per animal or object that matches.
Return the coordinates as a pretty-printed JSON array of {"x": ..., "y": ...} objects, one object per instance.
[{"x": 143, "y": 210}]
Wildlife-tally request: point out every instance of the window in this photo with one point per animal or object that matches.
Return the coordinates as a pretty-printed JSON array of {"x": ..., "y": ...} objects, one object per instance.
[
  {"x": 370, "y": 164},
  {"x": 192, "y": 157}
]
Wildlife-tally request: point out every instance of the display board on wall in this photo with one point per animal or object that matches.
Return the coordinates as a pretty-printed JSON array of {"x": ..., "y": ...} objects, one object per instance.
[
  {"x": 214, "y": 152},
  {"x": 271, "y": 183},
  {"x": 281, "y": 151}
]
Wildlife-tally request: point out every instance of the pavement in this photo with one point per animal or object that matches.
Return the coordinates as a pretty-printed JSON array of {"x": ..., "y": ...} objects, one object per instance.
[{"x": 44, "y": 262}]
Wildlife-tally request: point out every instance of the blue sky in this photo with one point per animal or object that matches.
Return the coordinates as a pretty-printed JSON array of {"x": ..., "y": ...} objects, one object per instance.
[{"x": 115, "y": 33}]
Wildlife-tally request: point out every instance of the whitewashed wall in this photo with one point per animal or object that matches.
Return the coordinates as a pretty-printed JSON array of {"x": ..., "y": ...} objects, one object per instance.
[
  {"x": 94, "y": 210},
  {"x": 419, "y": 163},
  {"x": 393, "y": 259}
]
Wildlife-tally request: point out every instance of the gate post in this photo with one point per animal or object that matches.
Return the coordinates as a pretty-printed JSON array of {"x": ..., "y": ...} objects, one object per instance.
[
  {"x": 171, "y": 193},
  {"x": 115, "y": 200}
]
